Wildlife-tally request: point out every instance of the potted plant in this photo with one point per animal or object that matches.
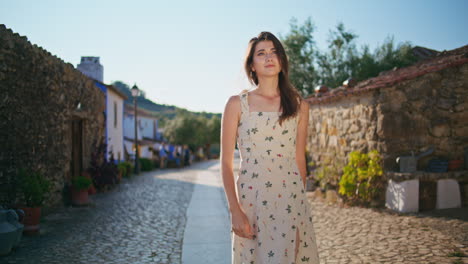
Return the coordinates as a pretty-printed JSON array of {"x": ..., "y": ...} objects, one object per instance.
[
  {"x": 91, "y": 190},
  {"x": 104, "y": 173},
  {"x": 122, "y": 170},
  {"x": 80, "y": 186},
  {"x": 128, "y": 168},
  {"x": 328, "y": 176},
  {"x": 35, "y": 188}
]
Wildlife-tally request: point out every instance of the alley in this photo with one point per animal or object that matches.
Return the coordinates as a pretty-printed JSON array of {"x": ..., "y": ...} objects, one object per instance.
[{"x": 140, "y": 221}]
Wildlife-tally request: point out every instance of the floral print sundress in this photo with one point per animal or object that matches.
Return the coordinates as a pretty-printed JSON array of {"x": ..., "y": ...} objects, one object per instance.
[{"x": 271, "y": 192}]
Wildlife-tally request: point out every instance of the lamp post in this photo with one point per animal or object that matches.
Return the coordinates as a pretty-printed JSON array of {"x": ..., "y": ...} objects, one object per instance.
[{"x": 135, "y": 93}]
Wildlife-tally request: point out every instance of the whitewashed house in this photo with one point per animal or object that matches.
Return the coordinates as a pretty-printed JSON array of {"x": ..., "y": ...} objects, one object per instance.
[
  {"x": 114, "y": 125},
  {"x": 114, "y": 132},
  {"x": 148, "y": 136}
]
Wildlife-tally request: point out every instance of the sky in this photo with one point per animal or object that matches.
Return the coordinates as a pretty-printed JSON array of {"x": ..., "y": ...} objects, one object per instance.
[{"x": 190, "y": 53}]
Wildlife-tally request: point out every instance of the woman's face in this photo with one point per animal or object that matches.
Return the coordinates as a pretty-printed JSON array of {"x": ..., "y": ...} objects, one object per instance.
[{"x": 265, "y": 59}]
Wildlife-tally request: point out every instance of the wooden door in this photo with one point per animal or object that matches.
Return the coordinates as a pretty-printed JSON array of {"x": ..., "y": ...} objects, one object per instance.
[{"x": 77, "y": 147}]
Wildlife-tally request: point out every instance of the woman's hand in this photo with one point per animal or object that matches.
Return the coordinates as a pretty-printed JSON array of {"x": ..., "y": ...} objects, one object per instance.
[{"x": 240, "y": 224}]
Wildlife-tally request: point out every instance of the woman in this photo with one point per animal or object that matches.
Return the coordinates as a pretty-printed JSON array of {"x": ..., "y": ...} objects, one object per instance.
[{"x": 270, "y": 215}]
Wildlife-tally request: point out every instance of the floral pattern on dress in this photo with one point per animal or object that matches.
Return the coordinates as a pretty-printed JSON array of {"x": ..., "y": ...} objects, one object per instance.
[{"x": 271, "y": 192}]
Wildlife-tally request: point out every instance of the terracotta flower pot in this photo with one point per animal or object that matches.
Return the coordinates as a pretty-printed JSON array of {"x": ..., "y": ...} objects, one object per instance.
[
  {"x": 31, "y": 220},
  {"x": 80, "y": 197},
  {"x": 92, "y": 190}
]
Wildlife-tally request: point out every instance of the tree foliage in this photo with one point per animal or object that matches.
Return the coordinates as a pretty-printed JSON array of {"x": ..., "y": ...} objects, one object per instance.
[
  {"x": 310, "y": 66},
  {"x": 337, "y": 64},
  {"x": 300, "y": 47},
  {"x": 195, "y": 130}
]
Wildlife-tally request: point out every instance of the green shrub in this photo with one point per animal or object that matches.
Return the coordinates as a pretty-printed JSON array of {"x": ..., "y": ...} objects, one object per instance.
[
  {"x": 328, "y": 174},
  {"x": 129, "y": 166},
  {"x": 146, "y": 164},
  {"x": 122, "y": 167},
  {"x": 81, "y": 183},
  {"x": 361, "y": 176},
  {"x": 34, "y": 187}
]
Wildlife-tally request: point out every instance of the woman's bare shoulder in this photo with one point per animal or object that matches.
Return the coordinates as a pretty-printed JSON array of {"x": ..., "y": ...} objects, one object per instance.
[{"x": 233, "y": 103}]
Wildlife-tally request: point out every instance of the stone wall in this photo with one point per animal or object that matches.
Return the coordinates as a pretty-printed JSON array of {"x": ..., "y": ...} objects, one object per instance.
[
  {"x": 40, "y": 95},
  {"x": 414, "y": 108}
]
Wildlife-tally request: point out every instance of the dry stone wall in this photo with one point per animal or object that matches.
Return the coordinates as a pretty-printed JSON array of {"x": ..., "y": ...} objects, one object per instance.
[
  {"x": 396, "y": 120},
  {"x": 39, "y": 98}
]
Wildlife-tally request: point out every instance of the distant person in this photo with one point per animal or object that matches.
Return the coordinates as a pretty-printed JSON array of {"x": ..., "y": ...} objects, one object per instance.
[
  {"x": 186, "y": 151},
  {"x": 200, "y": 153},
  {"x": 162, "y": 156},
  {"x": 172, "y": 155},
  {"x": 270, "y": 217}
]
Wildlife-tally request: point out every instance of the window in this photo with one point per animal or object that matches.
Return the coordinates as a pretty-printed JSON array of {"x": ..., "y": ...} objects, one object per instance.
[{"x": 115, "y": 114}]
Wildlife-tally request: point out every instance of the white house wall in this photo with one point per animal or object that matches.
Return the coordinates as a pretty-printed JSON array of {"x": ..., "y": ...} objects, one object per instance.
[
  {"x": 114, "y": 125},
  {"x": 129, "y": 126},
  {"x": 147, "y": 127}
]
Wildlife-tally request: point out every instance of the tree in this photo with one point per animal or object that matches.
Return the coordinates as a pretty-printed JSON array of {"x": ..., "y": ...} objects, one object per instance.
[
  {"x": 194, "y": 130},
  {"x": 214, "y": 130},
  {"x": 310, "y": 67},
  {"x": 390, "y": 55},
  {"x": 300, "y": 47},
  {"x": 339, "y": 62},
  {"x": 183, "y": 129}
]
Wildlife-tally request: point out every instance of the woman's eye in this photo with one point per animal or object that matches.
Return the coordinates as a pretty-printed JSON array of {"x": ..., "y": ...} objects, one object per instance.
[{"x": 260, "y": 54}]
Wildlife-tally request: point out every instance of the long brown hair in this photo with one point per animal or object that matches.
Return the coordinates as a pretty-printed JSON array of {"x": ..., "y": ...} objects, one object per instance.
[{"x": 290, "y": 98}]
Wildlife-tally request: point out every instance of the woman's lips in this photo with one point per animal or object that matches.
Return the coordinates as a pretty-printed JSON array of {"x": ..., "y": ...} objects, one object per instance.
[{"x": 270, "y": 66}]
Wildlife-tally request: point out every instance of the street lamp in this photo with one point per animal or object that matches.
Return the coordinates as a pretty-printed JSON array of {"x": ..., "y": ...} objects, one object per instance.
[{"x": 135, "y": 93}]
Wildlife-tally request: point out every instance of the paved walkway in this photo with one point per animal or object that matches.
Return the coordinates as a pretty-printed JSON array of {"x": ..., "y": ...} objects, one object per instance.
[{"x": 207, "y": 237}]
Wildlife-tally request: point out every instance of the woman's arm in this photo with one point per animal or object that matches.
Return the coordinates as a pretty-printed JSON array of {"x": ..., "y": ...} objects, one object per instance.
[
  {"x": 239, "y": 221},
  {"x": 229, "y": 124},
  {"x": 301, "y": 139}
]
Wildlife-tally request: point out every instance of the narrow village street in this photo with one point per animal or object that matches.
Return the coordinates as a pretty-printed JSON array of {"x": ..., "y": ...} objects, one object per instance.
[
  {"x": 153, "y": 217},
  {"x": 141, "y": 221}
]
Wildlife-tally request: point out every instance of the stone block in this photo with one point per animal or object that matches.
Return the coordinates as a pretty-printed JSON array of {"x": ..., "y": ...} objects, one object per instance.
[
  {"x": 461, "y": 107},
  {"x": 403, "y": 196},
  {"x": 445, "y": 104},
  {"x": 440, "y": 130},
  {"x": 461, "y": 131},
  {"x": 448, "y": 194}
]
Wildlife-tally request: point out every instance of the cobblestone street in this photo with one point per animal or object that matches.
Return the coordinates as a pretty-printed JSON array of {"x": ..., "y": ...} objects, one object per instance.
[
  {"x": 362, "y": 235},
  {"x": 143, "y": 221},
  {"x": 140, "y": 221}
]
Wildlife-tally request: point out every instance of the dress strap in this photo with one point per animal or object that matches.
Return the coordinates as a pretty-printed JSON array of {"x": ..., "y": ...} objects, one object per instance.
[{"x": 244, "y": 102}]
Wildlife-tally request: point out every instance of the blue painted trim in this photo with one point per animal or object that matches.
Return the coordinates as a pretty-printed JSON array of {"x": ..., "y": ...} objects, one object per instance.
[
  {"x": 123, "y": 132},
  {"x": 104, "y": 89}
]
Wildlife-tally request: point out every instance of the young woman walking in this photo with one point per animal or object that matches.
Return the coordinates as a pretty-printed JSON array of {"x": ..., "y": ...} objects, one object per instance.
[{"x": 270, "y": 216}]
